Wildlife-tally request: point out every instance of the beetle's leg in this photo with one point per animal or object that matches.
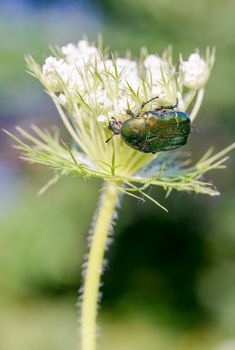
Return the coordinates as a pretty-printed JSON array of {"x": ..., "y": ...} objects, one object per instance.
[
  {"x": 110, "y": 138},
  {"x": 168, "y": 107},
  {"x": 151, "y": 99},
  {"x": 129, "y": 112},
  {"x": 144, "y": 104}
]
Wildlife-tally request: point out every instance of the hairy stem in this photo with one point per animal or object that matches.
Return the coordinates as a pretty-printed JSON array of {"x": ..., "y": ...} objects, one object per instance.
[{"x": 95, "y": 266}]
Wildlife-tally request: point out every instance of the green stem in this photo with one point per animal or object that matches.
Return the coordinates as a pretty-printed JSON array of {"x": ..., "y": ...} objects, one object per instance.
[
  {"x": 95, "y": 266},
  {"x": 197, "y": 104}
]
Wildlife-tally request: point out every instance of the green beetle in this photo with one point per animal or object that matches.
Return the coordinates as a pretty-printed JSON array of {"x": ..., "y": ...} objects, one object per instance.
[{"x": 155, "y": 130}]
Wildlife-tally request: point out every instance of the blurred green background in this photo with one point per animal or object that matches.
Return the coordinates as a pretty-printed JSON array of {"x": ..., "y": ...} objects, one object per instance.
[{"x": 170, "y": 280}]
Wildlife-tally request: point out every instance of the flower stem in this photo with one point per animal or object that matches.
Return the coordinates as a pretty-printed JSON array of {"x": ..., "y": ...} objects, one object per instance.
[
  {"x": 95, "y": 266},
  {"x": 197, "y": 104}
]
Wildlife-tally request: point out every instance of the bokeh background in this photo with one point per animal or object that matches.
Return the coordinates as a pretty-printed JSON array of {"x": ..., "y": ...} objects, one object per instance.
[{"x": 170, "y": 280}]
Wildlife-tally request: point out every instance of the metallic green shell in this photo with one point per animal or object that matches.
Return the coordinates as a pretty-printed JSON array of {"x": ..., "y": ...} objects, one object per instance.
[{"x": 155, "y": 132}]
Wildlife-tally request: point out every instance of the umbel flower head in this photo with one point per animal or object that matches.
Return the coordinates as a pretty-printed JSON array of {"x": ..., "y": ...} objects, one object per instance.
[{"x": 89, "y": 86}]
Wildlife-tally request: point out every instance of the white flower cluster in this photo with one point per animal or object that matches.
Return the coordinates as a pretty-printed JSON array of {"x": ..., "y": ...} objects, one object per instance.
[
  {"x": 110, "y": 86},
  {"x": 88, "y": 89},
  {"x": 195, "y": 72}
]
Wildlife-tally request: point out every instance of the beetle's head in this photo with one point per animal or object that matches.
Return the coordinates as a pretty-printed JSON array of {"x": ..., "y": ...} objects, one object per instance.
[{"x": 115, "y": 126}]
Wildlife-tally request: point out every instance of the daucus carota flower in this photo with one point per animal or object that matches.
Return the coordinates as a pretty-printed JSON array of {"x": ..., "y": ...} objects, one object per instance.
[
  {"x": 89, "y": 88},
  {"x": 195, "y": 71}
]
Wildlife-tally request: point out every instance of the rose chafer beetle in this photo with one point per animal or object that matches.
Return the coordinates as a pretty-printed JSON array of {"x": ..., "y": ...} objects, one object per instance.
[{"x": 161, "y": 129}]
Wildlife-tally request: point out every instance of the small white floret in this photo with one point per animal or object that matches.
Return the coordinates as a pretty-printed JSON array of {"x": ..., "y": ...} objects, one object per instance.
[
  {"x": 194, "y": 71},
  {"x": 103, "y": 120}
]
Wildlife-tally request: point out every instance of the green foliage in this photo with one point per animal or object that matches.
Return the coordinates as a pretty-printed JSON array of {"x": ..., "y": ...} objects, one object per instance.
[{"x": 42, "y": 239}]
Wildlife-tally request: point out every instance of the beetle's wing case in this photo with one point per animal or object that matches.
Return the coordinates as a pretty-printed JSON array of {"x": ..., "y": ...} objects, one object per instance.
[{"x": 155, "y": 132}]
